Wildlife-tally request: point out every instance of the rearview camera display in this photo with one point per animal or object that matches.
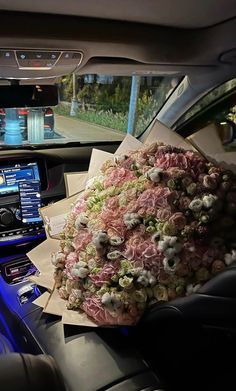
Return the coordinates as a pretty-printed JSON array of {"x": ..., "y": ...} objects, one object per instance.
[{"x": 12, "y": 176}]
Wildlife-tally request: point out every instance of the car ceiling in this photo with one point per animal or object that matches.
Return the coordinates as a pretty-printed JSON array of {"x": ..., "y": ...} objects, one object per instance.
[
  {"x": 177, "y": 13},
  {"x": 172, "y": 38}
]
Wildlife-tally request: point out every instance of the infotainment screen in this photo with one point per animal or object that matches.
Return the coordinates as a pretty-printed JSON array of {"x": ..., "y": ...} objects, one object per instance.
[
  {"x": 12, "y": 176},
  {"x": 30, "y": 201}
]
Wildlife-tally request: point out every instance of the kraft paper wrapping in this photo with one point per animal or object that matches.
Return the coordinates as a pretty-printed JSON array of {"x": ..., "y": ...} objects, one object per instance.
[
  {"x": 208, "y": 142},
  {"x": 54, "y": 216},
  {"x": 52, "y": 303},
  {"x": 44, "y": 280},
  {"x": 162, "y": 133},
  {"x": 75, "y": 182},
  {"x": 98, "y": 157},
  {"x": 76, "y": 318}
]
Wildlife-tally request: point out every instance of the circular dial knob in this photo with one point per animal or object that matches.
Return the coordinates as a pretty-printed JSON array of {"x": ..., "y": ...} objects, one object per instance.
[{"x": 6, "y": 217}]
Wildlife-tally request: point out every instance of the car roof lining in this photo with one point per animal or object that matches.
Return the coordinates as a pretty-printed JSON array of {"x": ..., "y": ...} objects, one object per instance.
[{"x": 181, "y": 13}]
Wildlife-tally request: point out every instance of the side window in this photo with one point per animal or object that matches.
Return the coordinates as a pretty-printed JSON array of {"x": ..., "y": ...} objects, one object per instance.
[
  {"x": 207, "y": 101},
  {"x": 218, "y": 107},
  {"x": 226, "y": 126}
]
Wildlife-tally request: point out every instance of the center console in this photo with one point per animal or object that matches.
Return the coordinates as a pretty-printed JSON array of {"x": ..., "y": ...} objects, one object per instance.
[{"x": 20, "y": 200}]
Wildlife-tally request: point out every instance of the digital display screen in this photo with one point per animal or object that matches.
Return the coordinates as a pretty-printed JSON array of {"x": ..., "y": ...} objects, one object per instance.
[
  {"x": 12, "y": 176},
  {"x": 30, "y": 200}
]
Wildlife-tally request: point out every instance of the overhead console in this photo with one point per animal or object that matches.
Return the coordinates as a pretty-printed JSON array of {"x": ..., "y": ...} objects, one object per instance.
[{"x": 26, "y": 63}]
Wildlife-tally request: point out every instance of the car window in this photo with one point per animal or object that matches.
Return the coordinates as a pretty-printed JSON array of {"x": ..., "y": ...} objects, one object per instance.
[
  {"x": 207, "y": 100},
  {"x": 92, "y": 108}
]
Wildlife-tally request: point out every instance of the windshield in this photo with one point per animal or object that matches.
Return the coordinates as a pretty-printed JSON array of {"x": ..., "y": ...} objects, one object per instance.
[{"x": 92, "y": 108}]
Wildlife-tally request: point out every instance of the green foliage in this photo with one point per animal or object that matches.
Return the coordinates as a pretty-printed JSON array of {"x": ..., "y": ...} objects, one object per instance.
[{"x": 106, "y": 102}]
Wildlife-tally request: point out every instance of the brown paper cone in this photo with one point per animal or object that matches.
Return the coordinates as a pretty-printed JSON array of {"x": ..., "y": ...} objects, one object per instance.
[
  {"x": 75, "y": 182},
  {"x": 161, "y": 133},
  {"x": 77, "y": 318}
]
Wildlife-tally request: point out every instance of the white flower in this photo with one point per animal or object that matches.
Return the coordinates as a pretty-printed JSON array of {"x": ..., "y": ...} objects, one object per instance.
[
  {"x": 126, "y": 282},
  {"x": 154, "y": 174},
  {"x": 170, "y": 264},
  {"x": 152, "y": 280},
  {"x": 196, "y": 205},
  {"x": 81, "y": 221},
  {"x": 171, "y": 240},
  {"x": 92, "y": 263},
  {"x": 68, "y": 248},
  {"x": 230, "y": 257},
  {"x": 81, "y": 272},
  {"x": 170, "y": 252},
  {"x": 143, "y": 280},
  {"x": 90, "y": 182},
  {"x": 162, "y": 245},
  {"x": 106, "y": 299},
  {"x": 116, "y": 240},
  {"x": 131, "y": 220},
  {"x": 156, "y": 237},
  {"x": 160, "y": 293},
  {"x": 209, "y": 200},
  {"x": 119, "y": 158},
  {"x": 99, "y": 239},
  {"x": 140, "y": 296},
  {"x": 111, "y": 301},
  {"x": 113, "y": 255},
  {"x": 80, "y": 264},
  {"x": 76, "y": 293},
  {"x": 58, "y": 259},
  {"x": 192, "y": 289}
]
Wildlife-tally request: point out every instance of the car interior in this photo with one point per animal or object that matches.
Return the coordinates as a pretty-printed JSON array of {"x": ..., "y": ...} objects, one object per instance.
[{"x": 186, "y": 344}]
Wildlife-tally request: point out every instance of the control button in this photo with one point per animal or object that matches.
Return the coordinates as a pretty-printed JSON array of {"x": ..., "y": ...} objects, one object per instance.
[
  {"x": 7, "y": 55},
  {"x": 6, "y": 217},
  {"x": 22, "y": 55},
  {"x": 76, "y": 56},
  {"x": 18, "y": 232},
  {"x": 54, "y": 56},
  {"x": 67, "y": 55}
]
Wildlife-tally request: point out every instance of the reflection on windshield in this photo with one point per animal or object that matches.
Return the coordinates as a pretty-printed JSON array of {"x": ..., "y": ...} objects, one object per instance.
[{"x": 92, "y": 108}]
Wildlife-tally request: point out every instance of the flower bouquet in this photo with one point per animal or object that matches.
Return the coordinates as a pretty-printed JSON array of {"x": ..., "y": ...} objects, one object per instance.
[{"x": 154, "y": 224}]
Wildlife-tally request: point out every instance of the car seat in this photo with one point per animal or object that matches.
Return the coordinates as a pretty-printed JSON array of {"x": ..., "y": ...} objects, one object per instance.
[{"x": 25, "y": 372}]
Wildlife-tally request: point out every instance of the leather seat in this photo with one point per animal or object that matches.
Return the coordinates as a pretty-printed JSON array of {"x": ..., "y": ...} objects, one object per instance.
[
  {"x": 214, "y": 302},
  {"x": 5, "y": 345},
  {"x": 25, "y": 372}
]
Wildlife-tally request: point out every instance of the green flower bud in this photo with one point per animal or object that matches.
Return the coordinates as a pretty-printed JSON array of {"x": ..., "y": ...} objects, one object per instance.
[{"x": 202, "y": 274}]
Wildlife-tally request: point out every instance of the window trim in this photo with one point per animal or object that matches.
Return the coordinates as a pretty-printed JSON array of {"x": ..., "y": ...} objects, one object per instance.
[{"x": 182, "y": 127}]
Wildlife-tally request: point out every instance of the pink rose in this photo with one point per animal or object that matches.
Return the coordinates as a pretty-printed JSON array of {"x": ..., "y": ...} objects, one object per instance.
[
  {"x": 70, "y": 261},
  {"x": 94, "y": 308},
  {"x": 178, "y": 220},
  {"x": 112, "y": 203},
  {"x": 113, "y": 220},
  {"x": 80, "y": 206},
  {"x": 105, "y": 275},
  {"x": 118, "y": 176},
  {"x": 163, "y": 214},
  {"x": 184, "y": 203},
  {"x": 154, "y": 198},
  {"x": 82, "y": 239},
  {"x": 217, "y": 266}
]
